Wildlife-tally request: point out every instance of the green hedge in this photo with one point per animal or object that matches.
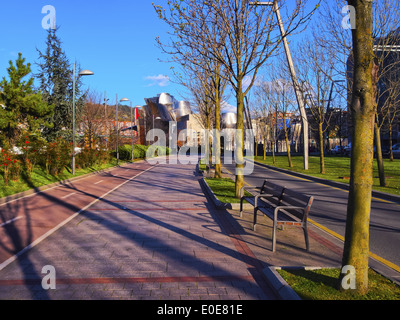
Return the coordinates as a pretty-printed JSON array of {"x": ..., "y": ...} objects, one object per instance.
[{"x": 139, "y": 152}]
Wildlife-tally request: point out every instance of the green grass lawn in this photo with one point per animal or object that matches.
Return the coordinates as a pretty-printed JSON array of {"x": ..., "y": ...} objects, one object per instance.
[
  {"x": 338, "y": 169},
  {"x": 224, "y": 189},
  {"x": 41, "y": 178},
  {"x": 321, "y": 284}
]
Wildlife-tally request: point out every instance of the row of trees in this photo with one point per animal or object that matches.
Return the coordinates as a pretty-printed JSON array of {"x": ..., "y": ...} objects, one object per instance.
[
  {"x": 323, "y": 67},
  {"x": 223, "y": 44},
  {"x": 220, "y": 43}
]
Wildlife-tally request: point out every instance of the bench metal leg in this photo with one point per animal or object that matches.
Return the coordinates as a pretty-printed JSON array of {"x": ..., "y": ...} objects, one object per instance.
[
  {"x": 274, "y": 236},
  {"x": 255, "y": 219},
  {"x": 241, "y": 208}
]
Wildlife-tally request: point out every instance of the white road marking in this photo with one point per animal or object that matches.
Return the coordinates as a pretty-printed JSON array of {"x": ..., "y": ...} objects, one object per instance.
[
  {"x": 10, "y": 221},
  {"x": 68, "y": 195}
]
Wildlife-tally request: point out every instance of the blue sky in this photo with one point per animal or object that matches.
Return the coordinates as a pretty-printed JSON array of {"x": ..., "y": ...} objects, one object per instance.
[{"x": 114, "y": 39}]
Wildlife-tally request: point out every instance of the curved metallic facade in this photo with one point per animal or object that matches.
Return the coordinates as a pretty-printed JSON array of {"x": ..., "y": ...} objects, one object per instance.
[
  {"x": 167, "y": 107},
  {"x": 229, "y": 120}
]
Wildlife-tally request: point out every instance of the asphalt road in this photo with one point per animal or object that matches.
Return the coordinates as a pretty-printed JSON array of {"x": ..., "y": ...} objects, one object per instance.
[{"x": 330, "y": 207}]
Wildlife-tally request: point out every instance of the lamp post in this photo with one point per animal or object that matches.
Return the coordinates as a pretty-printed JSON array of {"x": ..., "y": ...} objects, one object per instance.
[
  {"x": 117, "y": 147},
  {"x": 126, "y": 99},
  {"x": 132, "y": 134},
  {"x": 132, "y": 125},
  {"x": 297, "y": 89},
  {"x": 158, "y": 118},
  {"x": 82, "y": 73},
  {"x": 105, "y": 118}
]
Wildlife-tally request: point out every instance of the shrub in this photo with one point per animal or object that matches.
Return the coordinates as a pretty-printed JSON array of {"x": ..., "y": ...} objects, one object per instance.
[
  {"x": 30, "y": 145},
  {"x": 155, "y": 151},
  {"x": 125, "y": 152},
  {"x": 58, "y": 156},
  {"x": 11, "y": 166}
]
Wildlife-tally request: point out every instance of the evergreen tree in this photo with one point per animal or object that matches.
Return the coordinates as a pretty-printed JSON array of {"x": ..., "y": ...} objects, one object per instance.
[
  {"x": 56, "y": 84},
  {"x": 23, "y": 108}
]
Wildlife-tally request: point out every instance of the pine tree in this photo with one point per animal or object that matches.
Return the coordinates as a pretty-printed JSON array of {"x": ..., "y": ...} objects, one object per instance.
[
  {"x": 56, "y": 81},
  {"x": 23, "y": 107}
]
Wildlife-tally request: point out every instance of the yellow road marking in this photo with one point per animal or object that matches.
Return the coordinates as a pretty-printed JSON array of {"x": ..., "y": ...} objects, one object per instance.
[
  {"x": 385, "y": 262},
  {"x": 372, "y": 255},
  {"x": 333, "y": 233}
]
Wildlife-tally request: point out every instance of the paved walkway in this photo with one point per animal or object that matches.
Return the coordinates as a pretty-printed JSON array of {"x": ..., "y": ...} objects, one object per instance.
[{"x": 154, "y": 237}]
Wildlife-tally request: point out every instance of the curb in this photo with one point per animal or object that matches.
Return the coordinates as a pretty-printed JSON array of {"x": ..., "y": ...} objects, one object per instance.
[
  {"x": 218, "y": 203},
  {"x": 279, "y": 285},
  {"x": 40, "y": 189},
  {"x": 344, "y": 186}
]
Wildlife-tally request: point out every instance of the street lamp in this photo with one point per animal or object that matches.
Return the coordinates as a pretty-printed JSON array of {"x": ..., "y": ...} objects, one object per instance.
[
  {"x": 117, "y": 147},
  {"x": 82, "y": 73},
  {"x": 132, "y": 126},
  {"x": 158, "y": 118},
  {"x": 126, "y": 99}
]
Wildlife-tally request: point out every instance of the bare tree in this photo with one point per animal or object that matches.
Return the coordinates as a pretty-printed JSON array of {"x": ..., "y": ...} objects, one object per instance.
[
  {"x": 392, "y": 105},
  {"x": 92, "y": 119},
  {"x": 266, "y": 112},
  {"x": 190, "y": 50},
  {"x": 251, "y": 35},
  {"x": 385, "y": 19},
  {"x": 281, "y": 98},
  {"x": 316, "y": 70}
]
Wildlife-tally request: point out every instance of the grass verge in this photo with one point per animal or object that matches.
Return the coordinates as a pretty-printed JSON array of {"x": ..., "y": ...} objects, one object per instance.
[
  {"x": 338, "y": 169},
  {"x": 224, "y": 189},
  {"x": 321, "y": 284},
  {"x": 40, "y": 178}
]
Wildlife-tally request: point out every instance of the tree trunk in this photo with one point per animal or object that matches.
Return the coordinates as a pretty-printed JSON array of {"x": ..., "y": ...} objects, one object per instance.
[
  {"x": 239, "y": 183},
  {"x": 265, "y": 147},
  {"x": 207, "y": 155},
  {"x": 287, "y": 143},
  {"x": 321, "y": 148},
  {"x": 391, "y": 141},
  {"x": 273, "y": 151},
  {"x": 379, "y": 158},
  {"x": 356, "y": 246},
  {"x": 217, "y": 144},
  {"x": 209, "y": 139}
]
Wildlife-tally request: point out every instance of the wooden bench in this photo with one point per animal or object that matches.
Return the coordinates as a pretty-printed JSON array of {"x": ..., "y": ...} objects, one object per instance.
[{"x": 282, "y": 205}]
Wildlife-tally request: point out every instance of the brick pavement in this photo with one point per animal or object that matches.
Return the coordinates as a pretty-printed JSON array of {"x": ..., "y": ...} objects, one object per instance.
[{"x": 155, "y": 237}]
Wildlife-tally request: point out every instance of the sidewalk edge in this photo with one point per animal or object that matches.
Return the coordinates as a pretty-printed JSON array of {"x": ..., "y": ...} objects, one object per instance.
[
  {"x": 283, "y": 290},
  {"x": 218, "y": 203}
]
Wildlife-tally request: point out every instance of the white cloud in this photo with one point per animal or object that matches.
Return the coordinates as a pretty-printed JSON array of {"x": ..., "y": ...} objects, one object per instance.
[{"x": 159, "y": 80}]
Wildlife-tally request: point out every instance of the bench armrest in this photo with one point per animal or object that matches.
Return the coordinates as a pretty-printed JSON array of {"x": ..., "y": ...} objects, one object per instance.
[
  {"x": 246, "y": 188},
  {"x": 263, "y": 195},
  {"x": 286, "y": 208}
]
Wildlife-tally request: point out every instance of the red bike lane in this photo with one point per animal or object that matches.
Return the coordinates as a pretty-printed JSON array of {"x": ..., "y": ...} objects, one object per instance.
[{"x": 26, "y": 221}]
